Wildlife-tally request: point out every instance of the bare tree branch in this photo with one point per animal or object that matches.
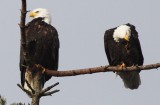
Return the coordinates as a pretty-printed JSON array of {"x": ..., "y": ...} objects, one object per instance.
[
  {"x": 99, "y": 69},
  {"x": 50, "y": 93},
  {"x": 45, "y": 91},
  {"x": 26, "y": 91},
  {"x": 30, "y": 87},
  {"x": 38, "y": 94},
  {"x": 49, "y": 88},
  {"x": 23, "y": 31}
]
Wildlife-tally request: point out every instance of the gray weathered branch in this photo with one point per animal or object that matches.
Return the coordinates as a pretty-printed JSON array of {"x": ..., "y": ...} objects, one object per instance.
[
  {"x": 99, "y": 69},
  {"x": 26, "y": 91}
]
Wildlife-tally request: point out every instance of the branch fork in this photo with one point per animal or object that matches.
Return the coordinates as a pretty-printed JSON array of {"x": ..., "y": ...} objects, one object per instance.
[{"x": 44, "y": 92}]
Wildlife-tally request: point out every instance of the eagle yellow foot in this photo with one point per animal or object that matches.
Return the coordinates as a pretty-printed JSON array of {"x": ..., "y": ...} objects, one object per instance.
[
  {"x": 41, "y": 68},
  {"x": 122, "y": 66},
  {"x": 126, "y": 46}
]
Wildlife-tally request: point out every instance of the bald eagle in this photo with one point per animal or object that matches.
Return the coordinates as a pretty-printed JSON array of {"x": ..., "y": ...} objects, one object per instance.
[
  {"x": 43, "y": 44},
  {"x": 123, "y": 49}
]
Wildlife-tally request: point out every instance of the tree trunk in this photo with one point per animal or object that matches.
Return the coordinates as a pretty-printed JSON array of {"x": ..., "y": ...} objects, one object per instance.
[{"x": 37, "y": 78}]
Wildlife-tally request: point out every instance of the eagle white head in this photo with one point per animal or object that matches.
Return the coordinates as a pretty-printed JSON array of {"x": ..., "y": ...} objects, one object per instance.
[
  {"x": 122, "y": 32},
  {"x": 41, "y": 12}
]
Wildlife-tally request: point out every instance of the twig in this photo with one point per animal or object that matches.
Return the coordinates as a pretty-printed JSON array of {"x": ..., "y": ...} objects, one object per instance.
[
  {"x": 49, "y": 87},
  {"x": 99, "y": 69},
  {"x": 50, "y": 93},
  {"x": 41, "y": 93},
  {"x": 26, "y": 91},
  {"x": 45, "y": 91},
  {"x": 33, "y": 92}
]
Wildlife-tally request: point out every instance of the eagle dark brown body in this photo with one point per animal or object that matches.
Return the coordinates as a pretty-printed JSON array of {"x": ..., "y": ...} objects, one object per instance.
[
  {"x": 125, "y": 52},
  {"x": 43, "y": 46}
]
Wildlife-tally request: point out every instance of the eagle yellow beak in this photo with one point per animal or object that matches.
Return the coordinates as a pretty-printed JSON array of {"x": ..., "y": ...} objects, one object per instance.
[
  {"x": 126, "y": 37},
  {"x": 32, "y": 14}
]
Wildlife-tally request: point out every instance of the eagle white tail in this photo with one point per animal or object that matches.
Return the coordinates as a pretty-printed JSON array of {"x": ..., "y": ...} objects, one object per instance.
[{"x": 131, "y": 79}]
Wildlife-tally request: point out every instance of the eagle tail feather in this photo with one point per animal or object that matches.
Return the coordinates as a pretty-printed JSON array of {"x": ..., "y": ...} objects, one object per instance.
[{"x": 131, "y": 79}]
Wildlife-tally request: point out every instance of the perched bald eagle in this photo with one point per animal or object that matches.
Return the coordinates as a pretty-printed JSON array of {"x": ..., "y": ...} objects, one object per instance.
[
  {"x": 43, "y": 44},
  {"x": 123, "y": 49}
]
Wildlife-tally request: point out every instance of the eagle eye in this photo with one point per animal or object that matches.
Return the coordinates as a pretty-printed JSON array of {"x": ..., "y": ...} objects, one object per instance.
[{"x": 37, "y": 12}]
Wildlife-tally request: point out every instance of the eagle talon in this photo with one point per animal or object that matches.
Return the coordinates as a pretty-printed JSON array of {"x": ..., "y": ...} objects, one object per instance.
[
  {"x": 122, "y": 66},
  {"x": 37, "y": 65},
  {"x": 41, "y": 68}
]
